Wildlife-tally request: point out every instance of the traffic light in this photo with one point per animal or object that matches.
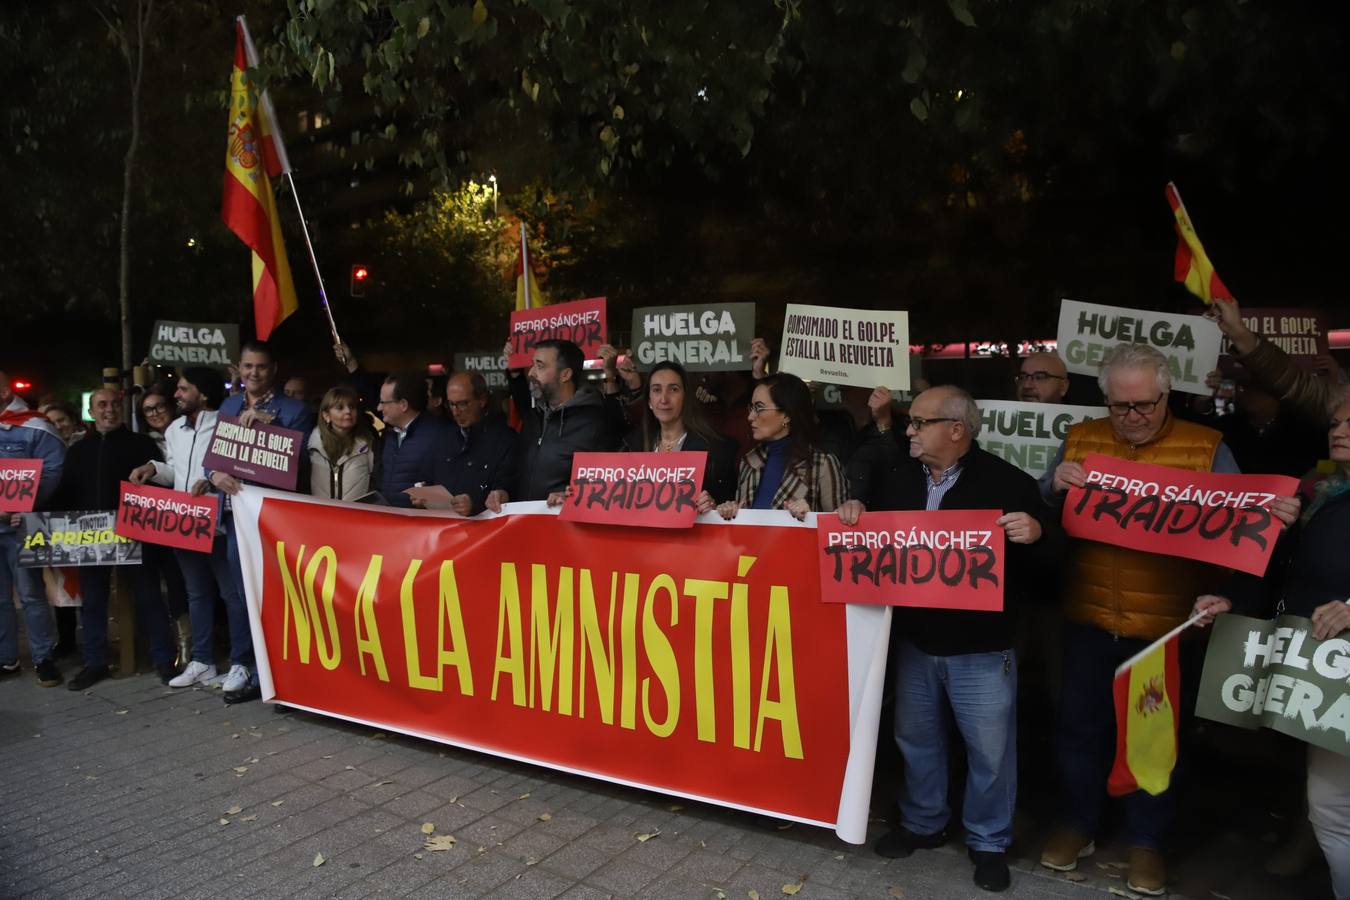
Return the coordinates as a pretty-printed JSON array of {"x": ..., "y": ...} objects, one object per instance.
[
  {"x": 360, "y": 274},
  {"x": 19, "y": 385}
]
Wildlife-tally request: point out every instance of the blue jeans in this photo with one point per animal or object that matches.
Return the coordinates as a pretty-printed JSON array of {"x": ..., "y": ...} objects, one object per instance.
[
  {"x": 36, "y": 614},
  {"x": 152, "y": 615},
  {"x": 241, "y": 637},
  {"x": 980, "y": 693},
  {"x": 1086, "y": 738},
  {"x": 209, "y": 575}
]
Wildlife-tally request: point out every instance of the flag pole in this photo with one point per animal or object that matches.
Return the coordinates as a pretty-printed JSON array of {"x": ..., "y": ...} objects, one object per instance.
[
  {"x": 279, "y": 147},
  {"x": 525, "y": 267},
  {"x": 1159, "y": 642}
]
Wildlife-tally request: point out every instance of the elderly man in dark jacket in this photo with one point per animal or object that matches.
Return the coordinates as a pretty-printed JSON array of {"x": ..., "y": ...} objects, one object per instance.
[
  {"x": 956, "y": 660},
  {"x": 561, "y": 416},
  {"x": 475, "y": 464},
  {"x": 95, "y": 468}
]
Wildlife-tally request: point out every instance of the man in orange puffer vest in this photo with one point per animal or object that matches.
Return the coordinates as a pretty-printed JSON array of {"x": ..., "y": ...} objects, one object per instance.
[{"x": 1116, "y": 602}]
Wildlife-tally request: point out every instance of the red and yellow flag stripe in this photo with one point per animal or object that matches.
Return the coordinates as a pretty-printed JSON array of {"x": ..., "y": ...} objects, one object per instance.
[{"x": 248, "y": 206}]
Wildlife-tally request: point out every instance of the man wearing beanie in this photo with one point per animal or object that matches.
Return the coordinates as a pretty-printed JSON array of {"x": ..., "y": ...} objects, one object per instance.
[{"x": 207, "y": 575}]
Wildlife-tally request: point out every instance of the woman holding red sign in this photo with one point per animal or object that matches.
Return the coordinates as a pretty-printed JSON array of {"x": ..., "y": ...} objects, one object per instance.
[
  {"x": 1310, "y": 577},
  {"x": 784, "y": 470},
  {"x": 675, "y": 422}
]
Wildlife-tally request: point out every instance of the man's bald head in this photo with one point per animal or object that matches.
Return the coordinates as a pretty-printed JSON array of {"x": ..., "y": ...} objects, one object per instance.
[
  {"x": 466, "y": 393},
  {"x": 1043, "y": 378}
]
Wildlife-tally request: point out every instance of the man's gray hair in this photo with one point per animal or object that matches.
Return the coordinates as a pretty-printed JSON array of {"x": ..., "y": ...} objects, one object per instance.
[
  {"x": 1135, "y": 356},
  {"x": 959, "y": 405}
]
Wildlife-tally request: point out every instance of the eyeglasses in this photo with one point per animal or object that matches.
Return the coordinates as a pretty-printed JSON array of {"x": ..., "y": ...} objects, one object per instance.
[
  {"x": 759, "y": 409},
  {"x": 387, "y": 402},
  {"x": 1143, "y": 407},
  {"x": 458, "y": 404},
  {"x": 1038, "y": 377},
  {"x": 919, "y": 422},
  {"x": 150, "y": 408}
]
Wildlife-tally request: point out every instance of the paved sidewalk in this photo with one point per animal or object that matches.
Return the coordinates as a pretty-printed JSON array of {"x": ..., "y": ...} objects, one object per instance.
[{"x": 134, "y": 790}]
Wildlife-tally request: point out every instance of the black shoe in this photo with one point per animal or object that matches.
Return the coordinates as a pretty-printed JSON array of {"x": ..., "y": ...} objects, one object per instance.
[
  {"x": 167, "y": 672},
  {"x": 47, "y": 673},
  {"x": 901, "y": 842},
  {"x": 11, "y": 669},
  {"x": 991, "y": 869},
  {"x": 88, "y": 678},
  {"x": 244, "y": 694}
]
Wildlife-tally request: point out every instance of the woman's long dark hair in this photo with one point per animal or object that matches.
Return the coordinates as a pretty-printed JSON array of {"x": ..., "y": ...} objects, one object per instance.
[
  {"x": 791, "y": 395},
  {"x": 691, "y": 413},
  {"x": 335, "y": 446}
]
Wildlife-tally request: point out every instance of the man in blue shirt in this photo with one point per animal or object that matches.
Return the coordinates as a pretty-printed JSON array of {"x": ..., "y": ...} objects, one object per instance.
[{"x": 261, "y": 402}]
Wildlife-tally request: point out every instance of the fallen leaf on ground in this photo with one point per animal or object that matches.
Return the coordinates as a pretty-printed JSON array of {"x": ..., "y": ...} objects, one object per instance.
[
  {"x": 644, "y": 838},
  {"x": 454, "y": 799},
  {"x": 1074, "y": 876},
  {"x": 121, "y": 712},
  {"x": 419, "y": 856},
  {"x": 249, "y": 819},
  {"x": 241, "y": 769},
  {"x": 318, "y": 860},
  {"x": 675, "y": 807},
  {"x": 791, "y": 889},
  {"x": 897, "y": 893},
  {"x": 839, "y": 856},
  {"x": 382, "y": 783},
  {"x": 524, "y": 796},
  {"x": 224, "y": 821},
  {"x": 278, "y": 802},
  {"x": 439, "y": 842},
  {"x": 234, "y": 810},
  {"x": 785, "y": 826},
  {"x": 719, "y": 894},
  {"x": 251, "y": 760},
  {"x": 753, "y": 894},
  {"x": 428, "y": 827},
  {"x": 545, "y": 817},
  {"x": 531, "y": 862},
  {"x": 379, "y": 735}
]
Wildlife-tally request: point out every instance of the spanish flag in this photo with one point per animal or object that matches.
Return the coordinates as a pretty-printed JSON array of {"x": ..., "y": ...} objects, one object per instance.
[
  {"x": 253, "y": 153},
  {"x": 527, "y": 291},
  {"x": 1193, "y": 267},
  {"x": 1147, "y": 690}
]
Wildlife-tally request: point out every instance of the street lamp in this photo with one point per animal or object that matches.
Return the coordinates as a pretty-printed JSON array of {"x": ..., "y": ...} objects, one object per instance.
[{"x": 493, "y": 178}]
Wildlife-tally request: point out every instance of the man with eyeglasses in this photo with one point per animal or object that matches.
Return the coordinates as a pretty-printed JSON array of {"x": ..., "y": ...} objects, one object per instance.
[
  {"x": 1043, "y": 378},
  {"x": 475, "y": 465},
  {"x": 957, "y": 665},
  {"x": 410, "y": 444},
  {"x": 1117, "y": 601}
]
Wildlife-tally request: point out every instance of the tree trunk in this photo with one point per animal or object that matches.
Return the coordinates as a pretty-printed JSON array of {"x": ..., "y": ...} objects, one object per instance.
[{"x": 135, "y": 68}]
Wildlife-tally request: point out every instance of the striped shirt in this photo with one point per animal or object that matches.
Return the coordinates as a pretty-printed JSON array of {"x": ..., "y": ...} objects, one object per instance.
[{"x": 938, "y": 489}]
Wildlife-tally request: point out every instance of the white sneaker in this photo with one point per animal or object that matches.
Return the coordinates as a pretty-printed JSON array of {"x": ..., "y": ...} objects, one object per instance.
[
  {"x": 236, "y": 678},
  {"x": 195, "y": 673}
]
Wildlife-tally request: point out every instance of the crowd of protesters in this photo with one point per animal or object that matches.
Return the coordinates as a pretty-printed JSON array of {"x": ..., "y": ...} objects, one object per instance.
[{"x": 406, "y": 440}]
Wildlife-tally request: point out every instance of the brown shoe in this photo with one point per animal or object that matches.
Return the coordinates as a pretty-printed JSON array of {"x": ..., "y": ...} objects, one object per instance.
[
  {"x": 1065, "y": 848},
  {"x": 1148, "y": 872}
]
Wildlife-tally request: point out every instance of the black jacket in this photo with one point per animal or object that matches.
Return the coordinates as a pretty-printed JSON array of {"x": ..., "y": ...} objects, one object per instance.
[
  {"x": 478, "y": 462},
  {"x": 1310, "y": 566},
  {"x": 985, "y": 482},
  {"x": 404, "y": 465},
  {"x": 719, "y": 477},
  {"x": 96, "y": 466},
  {"x": 548, "y": 438}
]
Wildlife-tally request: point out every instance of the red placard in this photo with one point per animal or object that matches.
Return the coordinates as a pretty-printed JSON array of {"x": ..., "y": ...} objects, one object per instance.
[
  {"x": 944, "y": 559},
  {"x": 266, "y": 454},
  {"x": 158, "y": 515},
  {"x": 650, "y": 490},
  {"x": 19, "y": 479},
  {"x": 699, "y": 662},
  {"x": 582, "y": 322},
  {"x": 1213, "y": 518}
]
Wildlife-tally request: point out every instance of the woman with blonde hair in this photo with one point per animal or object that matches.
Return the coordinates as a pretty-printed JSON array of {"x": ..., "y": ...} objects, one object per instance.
[{"x": 341, "y": 448}]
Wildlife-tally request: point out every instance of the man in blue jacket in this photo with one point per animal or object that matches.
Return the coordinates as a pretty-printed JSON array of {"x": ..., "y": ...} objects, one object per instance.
[
  {"x": 411, "y": 444},
  {"x": 260, "y": 402},
  {"x": 25, "y": 434}
]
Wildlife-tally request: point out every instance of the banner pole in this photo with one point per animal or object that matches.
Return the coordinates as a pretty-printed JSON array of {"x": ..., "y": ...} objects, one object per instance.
[{"x": 1160, "y": 641}]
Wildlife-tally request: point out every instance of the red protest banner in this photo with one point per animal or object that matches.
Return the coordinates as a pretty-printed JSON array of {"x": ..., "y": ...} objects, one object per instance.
[
  {"x": 158, "y": 515},
  {"x": 945, "y": 558},
  {"x": 1219, "y": 519},
  {"x": 652, "y": 490},
  {"x": 19, "y": 479},
  {"x": 582, "y": 322},
  {"x": 265, "y": 454},
  {"x": 698, "y": 662}
]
